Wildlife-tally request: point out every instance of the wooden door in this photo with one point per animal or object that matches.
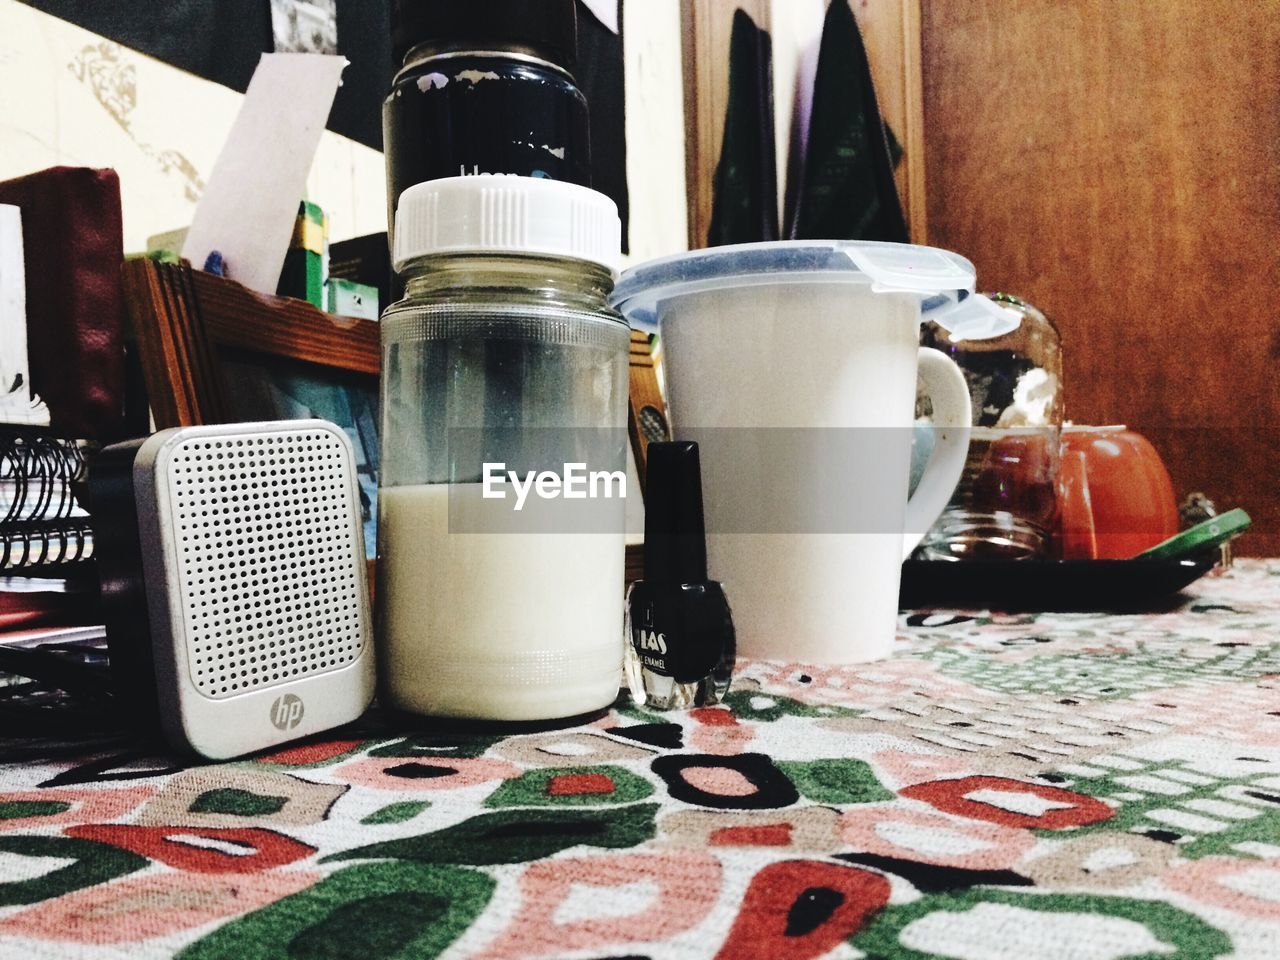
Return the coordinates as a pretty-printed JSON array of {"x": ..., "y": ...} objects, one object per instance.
[{"x": 1117, "y": 163}]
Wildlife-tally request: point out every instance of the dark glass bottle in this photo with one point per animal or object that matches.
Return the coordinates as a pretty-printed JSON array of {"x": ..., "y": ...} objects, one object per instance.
[
  {"x": 485, "y": 86},
  {"x": 680, "y": 637}
]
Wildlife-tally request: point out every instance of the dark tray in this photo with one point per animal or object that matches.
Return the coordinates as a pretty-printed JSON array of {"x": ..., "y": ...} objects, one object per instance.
[{"x": 1051, "y": 585}]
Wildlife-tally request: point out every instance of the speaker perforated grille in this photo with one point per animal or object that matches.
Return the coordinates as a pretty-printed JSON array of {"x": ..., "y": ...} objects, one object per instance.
[{"x": 267, "y": 560}]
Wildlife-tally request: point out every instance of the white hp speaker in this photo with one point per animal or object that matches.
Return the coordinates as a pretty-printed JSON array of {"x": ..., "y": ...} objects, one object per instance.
[{"x": 233, "y": 579}]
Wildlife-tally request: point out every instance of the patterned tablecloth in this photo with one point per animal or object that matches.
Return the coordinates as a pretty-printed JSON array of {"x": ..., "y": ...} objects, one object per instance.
[{"x": 1028, "y": 787}]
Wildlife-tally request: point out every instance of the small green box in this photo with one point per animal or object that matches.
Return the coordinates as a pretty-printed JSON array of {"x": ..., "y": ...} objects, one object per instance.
[
  {"x": 306, "y": 265},
  {"x": 167, "y": 247},
  {"x": 346, "y": 298}
]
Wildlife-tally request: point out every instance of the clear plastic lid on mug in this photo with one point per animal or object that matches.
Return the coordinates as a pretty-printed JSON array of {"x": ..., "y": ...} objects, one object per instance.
[{"x": 944, "y": 281}]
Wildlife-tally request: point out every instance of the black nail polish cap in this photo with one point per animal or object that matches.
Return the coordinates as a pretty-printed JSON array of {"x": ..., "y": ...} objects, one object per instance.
[{"x": 675, "y": 543}]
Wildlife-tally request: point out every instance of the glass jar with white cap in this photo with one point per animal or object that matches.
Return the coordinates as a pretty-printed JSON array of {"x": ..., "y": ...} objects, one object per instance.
[
  {"x": 504, "y": 392},
  {"x": 1005, "y": 506}
]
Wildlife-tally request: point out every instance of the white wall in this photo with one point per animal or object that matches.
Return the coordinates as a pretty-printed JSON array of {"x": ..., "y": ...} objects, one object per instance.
[
  {"x": 90, "y": 102},
  {"x": 71, "y": 97}
]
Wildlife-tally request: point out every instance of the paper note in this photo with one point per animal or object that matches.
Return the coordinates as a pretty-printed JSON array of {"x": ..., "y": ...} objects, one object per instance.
[
  {"x": 248, "y": 210},
  {"x": 13, "y": 303},
  {"x": 606, "y": 11},
  {"x": 17, "y": 403}
]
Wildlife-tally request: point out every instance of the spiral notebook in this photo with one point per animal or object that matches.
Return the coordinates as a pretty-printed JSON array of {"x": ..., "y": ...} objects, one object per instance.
[{"x": 44, "y": 530}]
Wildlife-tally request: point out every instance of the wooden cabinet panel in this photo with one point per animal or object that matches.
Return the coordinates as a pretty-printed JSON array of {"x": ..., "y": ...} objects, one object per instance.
[{"x": 1117, "y": 163}]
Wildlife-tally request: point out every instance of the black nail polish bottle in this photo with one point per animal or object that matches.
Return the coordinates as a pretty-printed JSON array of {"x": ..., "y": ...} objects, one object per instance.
[{"x": 680, "y": 639}]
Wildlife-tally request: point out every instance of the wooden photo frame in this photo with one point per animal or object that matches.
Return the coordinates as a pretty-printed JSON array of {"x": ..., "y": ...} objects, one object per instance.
[
  {"x": 183, "y": 318},
  {"x": 213, "y": 351}
]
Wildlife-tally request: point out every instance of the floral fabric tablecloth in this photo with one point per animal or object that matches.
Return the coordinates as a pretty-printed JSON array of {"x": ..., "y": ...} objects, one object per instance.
[{"x": 1021, "y": 787}]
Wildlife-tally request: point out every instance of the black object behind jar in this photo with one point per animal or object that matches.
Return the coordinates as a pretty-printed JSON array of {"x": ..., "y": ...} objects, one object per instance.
[
  {"x": 548, "y": 28},
  {"x": 484, "y": 89}
]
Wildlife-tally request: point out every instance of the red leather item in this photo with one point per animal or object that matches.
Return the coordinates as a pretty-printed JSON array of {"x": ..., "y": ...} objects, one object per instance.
[
  {"x": 1114, "y": 494},
  {"x": 25, "y": 611},
  {"x": 73, "y": 243}
]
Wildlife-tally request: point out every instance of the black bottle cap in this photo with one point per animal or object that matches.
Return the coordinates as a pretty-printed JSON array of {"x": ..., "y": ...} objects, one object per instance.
[
  {"x": 675, "y": 543},
  {"x": 548, "y": 28}
]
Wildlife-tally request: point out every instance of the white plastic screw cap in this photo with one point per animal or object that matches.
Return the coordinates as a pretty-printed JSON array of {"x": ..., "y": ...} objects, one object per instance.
[{"x": 507, "y": 214}]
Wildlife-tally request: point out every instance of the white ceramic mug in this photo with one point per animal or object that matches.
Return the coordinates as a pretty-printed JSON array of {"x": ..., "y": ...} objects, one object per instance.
[{"x": 795, "y": 368}]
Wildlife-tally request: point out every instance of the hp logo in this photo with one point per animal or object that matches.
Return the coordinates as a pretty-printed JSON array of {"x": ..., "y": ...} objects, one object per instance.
[{"x": 286, "y": 712}]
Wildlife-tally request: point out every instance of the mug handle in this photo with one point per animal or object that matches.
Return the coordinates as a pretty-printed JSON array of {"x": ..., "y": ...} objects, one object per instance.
[{"x": 952, "y": 419}]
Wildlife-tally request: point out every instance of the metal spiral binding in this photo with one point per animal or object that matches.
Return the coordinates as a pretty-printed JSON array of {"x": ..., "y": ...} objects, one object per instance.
[{"x": 41, "y": 521}]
